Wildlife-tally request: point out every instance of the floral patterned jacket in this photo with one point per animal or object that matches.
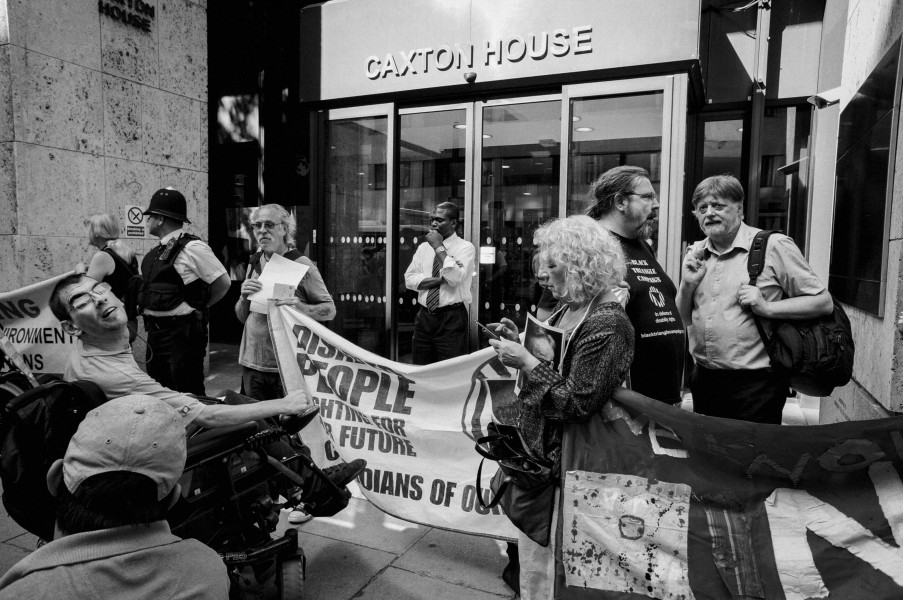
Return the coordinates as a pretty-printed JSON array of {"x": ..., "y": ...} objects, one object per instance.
[{"x": 596, "y": 362}]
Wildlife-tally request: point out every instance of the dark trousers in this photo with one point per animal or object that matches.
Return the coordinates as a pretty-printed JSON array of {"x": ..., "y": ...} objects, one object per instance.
[
  {"x": 756, "y": 395},
  {"x": 176, "y": 347},
  {"x": 261, "y": 385},
  {"x": 440, "y": 334}
]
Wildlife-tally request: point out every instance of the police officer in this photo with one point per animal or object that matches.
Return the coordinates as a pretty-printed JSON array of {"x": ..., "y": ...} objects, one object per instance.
[{"x": 182, "y": 278}]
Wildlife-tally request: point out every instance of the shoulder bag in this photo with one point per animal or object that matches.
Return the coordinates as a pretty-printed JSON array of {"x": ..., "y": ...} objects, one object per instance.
[
  {"x": 816, "y": 354},
  {"x": 523, "y": 486}
]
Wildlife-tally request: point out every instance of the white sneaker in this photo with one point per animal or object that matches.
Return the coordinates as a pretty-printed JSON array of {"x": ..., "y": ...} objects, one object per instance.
[{"x": 298, "y": 516}]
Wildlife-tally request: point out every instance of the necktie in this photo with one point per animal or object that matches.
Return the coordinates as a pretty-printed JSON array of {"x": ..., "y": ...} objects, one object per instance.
[{"x": 432, "y": 296}]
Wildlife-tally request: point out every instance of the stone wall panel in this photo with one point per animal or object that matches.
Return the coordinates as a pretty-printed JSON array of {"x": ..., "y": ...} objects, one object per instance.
[
  {"x": 56, "y": 190},
  {"x": 56, "y": 103},
  {"x": 132, "y": 53},
  {"x": 66, "y": 30},
  {"x": 129, "y": 183},
  {"x": 204, "y": 129},
  {"x": 183, "y": 49},
  {"x": 10, "y": 263},
  {"x": 7, "y": 131},
  {"x": 170, "y": 128},
  {"x": 193, "y": 185},
  {"x": 46, "y": 257},
  {"x": 9, "y": 209},
  {"x": 122, "y": 132}
]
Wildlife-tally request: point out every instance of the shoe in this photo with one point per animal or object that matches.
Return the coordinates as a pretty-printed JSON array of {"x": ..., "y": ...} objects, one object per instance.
[
  {"x": 298, "y": 516},
  {"x": 343, "y": 473}
]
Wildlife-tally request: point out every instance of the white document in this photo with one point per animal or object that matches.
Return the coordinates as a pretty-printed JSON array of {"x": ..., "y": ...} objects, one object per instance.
[{"x": 280, "y": 277}]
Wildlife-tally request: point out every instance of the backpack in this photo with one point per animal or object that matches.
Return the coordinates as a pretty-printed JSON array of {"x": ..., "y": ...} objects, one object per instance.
[
  {"x": 35, "y": 429},
  {"x": 817, "y": 354},
  {"x": 132, "y": 287}
]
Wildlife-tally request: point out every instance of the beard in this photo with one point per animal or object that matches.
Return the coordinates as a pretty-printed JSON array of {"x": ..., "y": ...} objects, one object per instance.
[{"x": 647, "y": 228}]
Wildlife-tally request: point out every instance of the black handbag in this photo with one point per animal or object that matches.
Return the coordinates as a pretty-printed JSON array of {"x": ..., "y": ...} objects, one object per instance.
[{"x": 524, "y": 485}]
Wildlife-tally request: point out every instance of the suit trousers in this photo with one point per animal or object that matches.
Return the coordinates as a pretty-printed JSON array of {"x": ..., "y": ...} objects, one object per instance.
[{"x": 440, "y": 334}]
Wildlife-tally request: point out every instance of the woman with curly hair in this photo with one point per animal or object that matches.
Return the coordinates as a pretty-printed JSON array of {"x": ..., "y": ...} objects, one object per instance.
[{"x": 581, "y": 264}]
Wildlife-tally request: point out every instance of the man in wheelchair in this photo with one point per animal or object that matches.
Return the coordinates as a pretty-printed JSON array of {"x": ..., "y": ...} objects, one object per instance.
[
  {"x": 115, "y": 484},
  {"x": 90, "y": 312}
]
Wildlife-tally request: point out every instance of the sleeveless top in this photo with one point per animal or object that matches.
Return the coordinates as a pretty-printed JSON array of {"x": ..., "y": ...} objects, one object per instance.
[{"x": 122, "y": 272}]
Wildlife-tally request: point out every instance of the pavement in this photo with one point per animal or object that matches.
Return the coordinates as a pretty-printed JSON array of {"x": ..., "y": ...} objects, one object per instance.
[{"x": 364, "y": 553}]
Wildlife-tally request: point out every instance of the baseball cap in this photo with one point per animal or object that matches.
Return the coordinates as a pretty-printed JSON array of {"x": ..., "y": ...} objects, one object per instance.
[{"x": 134, "y": 433}]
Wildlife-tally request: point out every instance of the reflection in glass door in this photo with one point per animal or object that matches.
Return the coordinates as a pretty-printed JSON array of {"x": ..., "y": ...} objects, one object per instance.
[
  {"x": 638, "y": 122},
  {"x": 519, "y": 161},
  {"x": 432, "y": 164},
  {"x": 355, "y": 238},
  {"x": 610, "y": 132}
]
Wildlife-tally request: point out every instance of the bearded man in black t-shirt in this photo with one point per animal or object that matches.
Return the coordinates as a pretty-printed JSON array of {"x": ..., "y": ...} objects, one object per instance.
[{"x": 626, "y": 205}]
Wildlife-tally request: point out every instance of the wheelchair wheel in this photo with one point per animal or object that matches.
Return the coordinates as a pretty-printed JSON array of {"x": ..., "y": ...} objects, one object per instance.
[{"x": 291, "y": 577}]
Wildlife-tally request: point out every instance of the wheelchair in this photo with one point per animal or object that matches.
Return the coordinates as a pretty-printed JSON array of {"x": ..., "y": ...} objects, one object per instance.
[{"x": 232, "y": 488}]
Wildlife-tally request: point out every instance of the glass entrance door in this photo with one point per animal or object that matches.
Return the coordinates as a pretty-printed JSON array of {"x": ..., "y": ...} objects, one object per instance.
[
  {"x": 509, "y": 165},
  {"x": 518, "y": 159},
  {"x": 433, "y": 168}
]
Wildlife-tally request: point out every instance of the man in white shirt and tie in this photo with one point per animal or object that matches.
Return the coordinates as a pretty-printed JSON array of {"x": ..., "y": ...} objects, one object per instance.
[{"x": 441, "y": 273}]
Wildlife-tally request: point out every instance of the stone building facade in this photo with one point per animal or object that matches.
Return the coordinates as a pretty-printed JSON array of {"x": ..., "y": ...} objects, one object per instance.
[
  {"x": 865, "y": 30},
  {"x": 101, "y": 103}
]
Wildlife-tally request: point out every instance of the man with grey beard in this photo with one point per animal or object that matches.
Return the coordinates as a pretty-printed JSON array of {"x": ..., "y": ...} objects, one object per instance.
[
  {"x": 733, "y": 377},
  {"x": 627, "y": 206}
]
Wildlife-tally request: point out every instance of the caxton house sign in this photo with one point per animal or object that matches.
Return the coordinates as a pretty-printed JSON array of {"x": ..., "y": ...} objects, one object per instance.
[
  {"x": 513, "y": 49},
  {"x": 136, "y": 13}
]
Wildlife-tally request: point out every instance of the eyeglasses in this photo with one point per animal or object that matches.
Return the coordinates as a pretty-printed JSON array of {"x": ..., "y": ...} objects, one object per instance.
[
  {"x": 268, "y": 225},
  {"x": 648, "y": 197},
  {"x": 84, "y": 299},
  {"x": 702, "y": 209}
]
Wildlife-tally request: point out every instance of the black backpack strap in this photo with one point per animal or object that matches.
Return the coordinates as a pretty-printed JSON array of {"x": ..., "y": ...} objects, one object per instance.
[{"x": 755, "y": 264}]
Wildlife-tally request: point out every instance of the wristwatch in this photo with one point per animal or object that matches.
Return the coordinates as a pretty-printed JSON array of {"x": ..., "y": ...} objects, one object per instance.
[{"x": 439, "y": 248}]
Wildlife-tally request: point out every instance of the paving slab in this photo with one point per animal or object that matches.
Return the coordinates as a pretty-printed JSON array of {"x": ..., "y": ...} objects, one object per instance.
[
  {"x": 363, "y": 524},
  {"x": 459, "y": 559},
  {"x": 399, "y": 584},
  {"x": 339, "y": 570}
]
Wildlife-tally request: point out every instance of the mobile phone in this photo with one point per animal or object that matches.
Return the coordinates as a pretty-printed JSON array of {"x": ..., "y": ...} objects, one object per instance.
[{"x": 488, "y": 331}]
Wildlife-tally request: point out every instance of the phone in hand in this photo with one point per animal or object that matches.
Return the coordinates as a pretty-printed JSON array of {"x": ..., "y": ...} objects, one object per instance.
[{"x": 489, "y": 332}]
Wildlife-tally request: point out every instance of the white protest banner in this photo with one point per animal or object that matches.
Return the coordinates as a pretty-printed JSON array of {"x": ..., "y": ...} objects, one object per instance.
[
  {"x": 29, "y": 325},
  {"x": 414, "y": 425}
]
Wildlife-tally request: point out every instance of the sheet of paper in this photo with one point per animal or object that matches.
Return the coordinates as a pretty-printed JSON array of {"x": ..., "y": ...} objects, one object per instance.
[{"x": 279, "y": 278}]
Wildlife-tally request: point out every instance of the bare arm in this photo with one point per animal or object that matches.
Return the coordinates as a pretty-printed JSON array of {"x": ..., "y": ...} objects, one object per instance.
[
  {"x": 243, "y": 305},
  {"x": 218, "y": 288},
  {"x": 311, "y": 296},
  {"x": 101, "y": 265},
  {"x": 223, "y": 415},
  {"x": 799, "y": 307}
]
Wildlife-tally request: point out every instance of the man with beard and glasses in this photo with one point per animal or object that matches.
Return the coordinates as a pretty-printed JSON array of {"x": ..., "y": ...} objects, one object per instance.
[
  {"x": 732, "y": 377},
  {"x": 627, "y": 206}
]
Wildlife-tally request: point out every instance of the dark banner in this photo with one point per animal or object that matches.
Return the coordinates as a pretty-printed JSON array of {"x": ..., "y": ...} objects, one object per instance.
[{"x": 658, "y": 502}]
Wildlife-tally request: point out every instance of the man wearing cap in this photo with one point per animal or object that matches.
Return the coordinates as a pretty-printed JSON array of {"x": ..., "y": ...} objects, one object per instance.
[
  {"x": 88, "y": 311},
  {"x": 115, "y": 484},
  {"x": 182, "y": 278}
]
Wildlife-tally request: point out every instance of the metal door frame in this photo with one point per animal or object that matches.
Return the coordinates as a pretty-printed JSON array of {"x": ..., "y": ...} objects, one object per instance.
[{"x": 674, "y": 137}]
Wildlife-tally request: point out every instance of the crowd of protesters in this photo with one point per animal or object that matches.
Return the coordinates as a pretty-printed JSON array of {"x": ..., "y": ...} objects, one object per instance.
[{"x": 619, "y": 318}]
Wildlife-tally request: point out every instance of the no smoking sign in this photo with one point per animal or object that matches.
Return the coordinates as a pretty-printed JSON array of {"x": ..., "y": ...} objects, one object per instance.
[{"x": 134, "y": 222}]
